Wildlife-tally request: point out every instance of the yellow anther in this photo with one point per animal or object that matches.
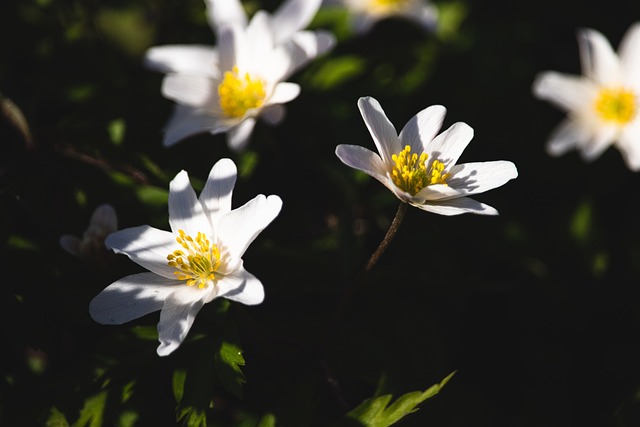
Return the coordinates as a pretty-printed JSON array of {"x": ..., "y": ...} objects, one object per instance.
[
  {"x": 198, "y": 263},
  {"x": 616, "y": 105},
  {"x": 381, "y": 6},
  {"x": 410, "y": 172},
  {"x": 239, "y": 93}
]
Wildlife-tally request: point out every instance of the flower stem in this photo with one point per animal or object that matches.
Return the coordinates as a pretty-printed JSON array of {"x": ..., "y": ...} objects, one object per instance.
[{"x": 391, "y": 232}]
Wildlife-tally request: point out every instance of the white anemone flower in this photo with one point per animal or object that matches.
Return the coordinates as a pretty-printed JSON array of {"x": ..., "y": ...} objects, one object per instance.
[
  {"x": 224, "y": 89},
  {"x": 419, "y": 167},
  {"x": 199, "y": 260},
  {"x": 104, "y": 221},
  {"x": 365, "y": 14},
  {"x": 603, "y": 105}
]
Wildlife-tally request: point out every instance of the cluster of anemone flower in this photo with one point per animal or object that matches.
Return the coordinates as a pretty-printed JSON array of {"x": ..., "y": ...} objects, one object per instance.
[{"x": 226, "y": 88}]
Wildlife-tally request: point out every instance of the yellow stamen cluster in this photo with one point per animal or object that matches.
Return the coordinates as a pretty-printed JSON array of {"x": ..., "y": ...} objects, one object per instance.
[
  {"x": 381, "y": 6},
  {"x": 616, "y": 105},
  {"x": 410, "y": 172},
  {"x": 198, "y": 262},
  {"x": 240, "y": 93}
]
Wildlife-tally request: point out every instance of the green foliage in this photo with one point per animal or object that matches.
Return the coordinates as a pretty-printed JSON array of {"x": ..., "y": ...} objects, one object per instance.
[
  {"x": 380, "y": 412},
  {"x": 228, "y": 361}
]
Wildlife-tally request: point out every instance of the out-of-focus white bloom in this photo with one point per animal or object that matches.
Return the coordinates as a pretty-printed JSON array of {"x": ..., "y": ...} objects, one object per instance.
[
  {"x": 603, "y": 104},
  {"x": 419, "y": 167},
  {"x": 365, "y": 13},
  {"x": 103, "y": 222},
  {"x": 224, "y": 89},
  {"x": 199, "y": 260}
]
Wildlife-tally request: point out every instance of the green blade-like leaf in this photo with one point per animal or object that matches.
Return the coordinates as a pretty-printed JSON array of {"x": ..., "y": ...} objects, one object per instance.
[
  {"x": 376, "y": 411},
  {"x": 93, "y": 411},
  {"x": 228, "y": 362}
]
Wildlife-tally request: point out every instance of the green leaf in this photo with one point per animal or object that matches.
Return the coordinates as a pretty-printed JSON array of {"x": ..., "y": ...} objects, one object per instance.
[
  {"x": 57, "y": 419},
  {"x": 92, "y": 413},
  {"x": 228, "y": 361},
  {"x": 193, "y": 417},
  {"x": 376, "y": 412}
]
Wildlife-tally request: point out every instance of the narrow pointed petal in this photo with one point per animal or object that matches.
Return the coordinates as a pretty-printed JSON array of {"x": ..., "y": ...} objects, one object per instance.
[
  {"x": 191, "y": 90},
  {"x": 449, "y": 145},
  {"x": 146, "y": 246},
  {"x": 185, "y": 210},
  {"x": 382, "y": 131},
  {"x": 238, "y": 136},
  {"x": 233, "y": 49},
  {"x": 131, "y": 298},
  {"x": 260, "y": 38},
  {"x": 176, "y": 318},
  {"x": 241, "y": 286},
  {"x": 570, "y": 93},
  {"x": 186, "y": 122},
  {"x": 194, "y": 59},
  {"x": 629, "y": 148},
  {"x": 362, "y": 159},
  {"x": 70, "y": 243},
  {"x": 598, "y": 143},
  {"x": 599, "y": 61},
  {"x": 293, "y": 16},
  {"x": 221, "y": 13},
  {"x": 217, "y": 191},
  {"x": 422, "y": 128},
  {"x": 238, "y": 228},
  {"x": 458, "y": 206},
  {"x": 629, "y": 53}
]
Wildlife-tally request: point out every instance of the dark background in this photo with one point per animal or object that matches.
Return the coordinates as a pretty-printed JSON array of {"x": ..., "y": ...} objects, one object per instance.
[{"x": 536, "y": 309}]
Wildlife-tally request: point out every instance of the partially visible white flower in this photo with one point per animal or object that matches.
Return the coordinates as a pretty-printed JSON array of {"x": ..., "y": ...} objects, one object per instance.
[
  {"x": 103, "y": 222},
  {"x": 224, "y": 89},
  {"x": 603, "y": 105},
  {"x": 419, "y": 167},
  {"x": 365, "y": 13},
  {"x": 199, "y": 260}
]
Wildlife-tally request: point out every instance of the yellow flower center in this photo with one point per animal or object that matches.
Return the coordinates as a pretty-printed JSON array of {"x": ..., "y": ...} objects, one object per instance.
[
  {"x": 238, "y": 93},
  {"x": 410, "y": 172},
  {"x": 616, "y": 105},
  {"x": 198, "y": 262},
  {"x": 382, "y": 6}
]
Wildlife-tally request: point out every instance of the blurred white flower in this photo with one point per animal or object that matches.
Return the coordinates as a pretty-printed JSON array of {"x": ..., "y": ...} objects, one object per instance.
[
  {"x": 103, "y": 222},
  {"x": 419, "y": 167},
  {"x": 224, "y": 89},
  {"x": 365, "y": 13},
  {"x": 603, "y": 104},
  {"x": 199, "y": 260}
]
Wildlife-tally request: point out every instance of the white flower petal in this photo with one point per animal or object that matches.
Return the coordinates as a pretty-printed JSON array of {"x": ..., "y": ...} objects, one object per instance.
[
  {"x": 185, "y": 210},
  {"x": 188, "y": 121},
  {"x": 629, "y": 53},
  {"x": 238, "y": 228},
  {"x": 362, "y": 159},
  {"x": 217, "y": 191},
  {"x": 273, "y": 114},
  {"x": 191, "y": 90},
  {"x": 191, "y": 59},
  {"x": 570, "y": 93},
  {"x": 457, "y": 207},
  {"x": 146, "y": 246},
  {"x": 105, "y": 218},
  {"x": 566, "y": 136},
  {"x": 70, "y": 243},
  {"x": 599, "y": 61},
  {"x": 304, "y": 46},
  {"x": 221, "y": 13},
  {"x": 426, "y": 15},
  {"x": 381, "y": 129},
  {"x": 628, "y": 144},
  {"x": 449, "y": 145},
  {"x": 292, "y": 16},
  {"x": 177, "y": 315},
  {"x": 422, "y": 128},
  {"x": 131, "y": 298},
  {"x": 260, "y": 41},
  {"x": 593, "y": 147},
  {"x": 241, "y": 286},
  {"x": 238, "y": 136},
  {"x": 233, "y": 48},
  {"x": 284, "y": 92},
  {"x": 476, "y": 178}
]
